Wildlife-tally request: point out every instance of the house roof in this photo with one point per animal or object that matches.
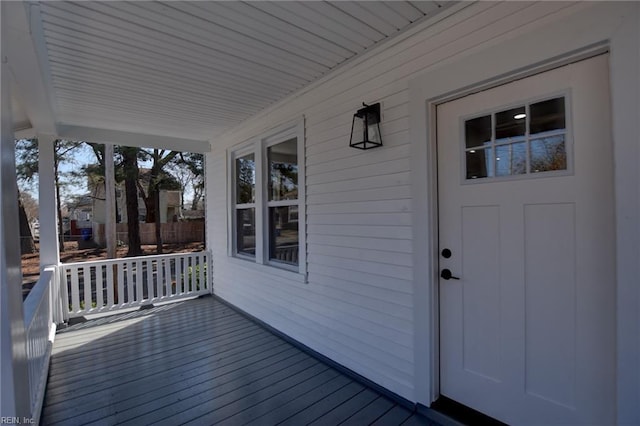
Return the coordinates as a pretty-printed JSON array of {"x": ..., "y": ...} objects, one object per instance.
[{"x": 176, "y": 74}]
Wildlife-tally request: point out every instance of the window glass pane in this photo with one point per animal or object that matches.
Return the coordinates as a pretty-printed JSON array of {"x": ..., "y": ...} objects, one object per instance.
[
  {"x": 477, "y": 132},
  {"x": 547, "y": 115},
  {"x": 479, "y": 163},
  {"x": 548, "y": 154},
  {"x": 283, "y": 171},
  {"x": 511, "y": 159},
  {"x": 246, "y": 232},
  {"x": 511, "y": 123},
  {"x": 283, "y": 234},
  {"x": 245, "y": 179}
]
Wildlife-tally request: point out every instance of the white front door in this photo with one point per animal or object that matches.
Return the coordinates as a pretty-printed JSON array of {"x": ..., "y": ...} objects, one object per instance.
[{"x": 525, "y": 172}]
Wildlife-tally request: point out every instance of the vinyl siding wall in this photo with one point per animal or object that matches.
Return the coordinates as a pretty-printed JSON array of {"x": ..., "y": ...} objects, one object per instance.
[{"x": 357, "y": 306}]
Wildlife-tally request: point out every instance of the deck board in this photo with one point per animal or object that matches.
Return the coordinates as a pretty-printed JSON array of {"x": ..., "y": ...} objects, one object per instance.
[{"x": 199, "y": 362}]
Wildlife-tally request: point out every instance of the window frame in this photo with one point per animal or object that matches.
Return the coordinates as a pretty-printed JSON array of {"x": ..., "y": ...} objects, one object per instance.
[{"x": 258, "y": 146}]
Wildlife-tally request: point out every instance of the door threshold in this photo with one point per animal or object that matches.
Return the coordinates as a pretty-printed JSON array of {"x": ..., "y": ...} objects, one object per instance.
[{"x": 463, "y": 414}]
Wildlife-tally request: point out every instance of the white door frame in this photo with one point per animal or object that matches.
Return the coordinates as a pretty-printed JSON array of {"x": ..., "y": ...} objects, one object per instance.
[{"x": 594, "y": 30}]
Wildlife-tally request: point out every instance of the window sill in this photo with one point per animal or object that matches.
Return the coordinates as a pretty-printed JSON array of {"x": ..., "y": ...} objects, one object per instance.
[{"x": 270, "y": 269}]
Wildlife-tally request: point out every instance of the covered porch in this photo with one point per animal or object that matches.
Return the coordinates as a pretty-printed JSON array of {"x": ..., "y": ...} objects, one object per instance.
[
  {"x": 201, "y": 362},
  {"x": 318, "y": 297},
  {"x": 174, "y": 76}
]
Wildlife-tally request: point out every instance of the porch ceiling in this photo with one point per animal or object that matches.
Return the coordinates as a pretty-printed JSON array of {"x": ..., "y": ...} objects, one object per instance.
[{"x": 191, "y": 69}]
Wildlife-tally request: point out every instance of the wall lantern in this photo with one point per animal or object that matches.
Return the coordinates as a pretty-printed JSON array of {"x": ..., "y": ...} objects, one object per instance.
[{"x": 365, "y": 127}]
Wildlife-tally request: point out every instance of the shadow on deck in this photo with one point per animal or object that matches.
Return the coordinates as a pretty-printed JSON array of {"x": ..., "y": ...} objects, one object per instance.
[{"x": 200, "y": 362}]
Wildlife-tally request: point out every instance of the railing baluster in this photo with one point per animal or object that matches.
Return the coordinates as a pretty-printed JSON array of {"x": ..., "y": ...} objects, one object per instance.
[
  {"x": 99, "y": 288},
  {"x": 162, "y": 288},
  {"x": 75, "y": 289},
  {"x": 179, "y": 277},
  {"x": 150, "y": 287},
  {"x": 109, "y": 284},
  {"x": 169, "y": 276},
  {"x": 130, "y": 284},
  {"x": 189, "y": 273},
  {"x": 86, "y": 281},
  {"x": 120, "y": 268},
  {"x": 201, "y": 270},
  {"x": 139, "y": 282}
]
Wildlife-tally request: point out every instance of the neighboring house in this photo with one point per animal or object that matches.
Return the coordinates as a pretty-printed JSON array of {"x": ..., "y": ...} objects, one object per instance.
[
  {"x": 487, "y": 253},
  {"x": 82, "y": 209},
  {"x": 170, "y": 207}
]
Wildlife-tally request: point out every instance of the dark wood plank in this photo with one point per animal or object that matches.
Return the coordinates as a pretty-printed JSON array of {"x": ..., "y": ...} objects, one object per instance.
[
  {"x": 419, "y": 420},
  {"x": 346, "y": 409},
  {"x": 155, "y": 411},
  {"x": 281, "y": 407},
  {"x": 99, "y": 382},
  {"x": 394, "y": 417},
  {"x": 370, "y": 413},
  {"x": 260, "y": 403},
  {"x": 189, "y": 375},
  {"x": 114, "y": 367},
  {"x": 229, "y": 403},
  {"x": 325, "y": 405}
]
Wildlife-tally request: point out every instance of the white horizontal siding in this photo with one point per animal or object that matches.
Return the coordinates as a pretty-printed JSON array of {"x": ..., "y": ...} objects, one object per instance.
[{"x": 357, "y": 306}]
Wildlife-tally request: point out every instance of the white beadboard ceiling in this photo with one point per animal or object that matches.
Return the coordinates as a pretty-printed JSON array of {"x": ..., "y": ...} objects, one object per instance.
[{"x": 193, "y": 69}]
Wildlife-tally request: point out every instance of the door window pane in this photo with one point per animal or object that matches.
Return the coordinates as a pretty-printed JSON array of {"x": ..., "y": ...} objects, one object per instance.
[
  {"x": 511, "y": 159},
  {"x": 479, "y": 163},
  {"x": 283, "y": 171},
  {"x": 283, "y": 234},
  {"x": 510, "y": 123},
  {"x": 499, "y": 145},
  {"x": 548, "y": 154},
  {"x": 547, "y": 116},
  {"x": 245, "y": 179},
  {"x": 246, "y": 232},
  {"x": 477, "y": 131}
]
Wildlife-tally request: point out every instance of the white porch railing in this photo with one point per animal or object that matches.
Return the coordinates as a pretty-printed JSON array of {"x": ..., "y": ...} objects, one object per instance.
[
  {"x": 42, "y": 311},
  {"x": 114, "y": 284}
]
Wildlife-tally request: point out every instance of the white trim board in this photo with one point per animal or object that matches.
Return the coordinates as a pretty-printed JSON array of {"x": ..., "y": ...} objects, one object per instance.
[{"x": 578, "y": 32}]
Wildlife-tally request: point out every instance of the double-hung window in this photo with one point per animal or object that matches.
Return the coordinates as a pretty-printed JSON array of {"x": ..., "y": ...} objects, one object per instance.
[{"x": 268, "y": 200}]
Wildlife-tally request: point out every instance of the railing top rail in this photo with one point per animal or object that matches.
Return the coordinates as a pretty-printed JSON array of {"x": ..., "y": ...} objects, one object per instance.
[{"x": 131, "y": 259}]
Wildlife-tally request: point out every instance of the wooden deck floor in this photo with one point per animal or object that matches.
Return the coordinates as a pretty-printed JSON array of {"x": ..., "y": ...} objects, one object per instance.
[{"x": 200, "y": 362}]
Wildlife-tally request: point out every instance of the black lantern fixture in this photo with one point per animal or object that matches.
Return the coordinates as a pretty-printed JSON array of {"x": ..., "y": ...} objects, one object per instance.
[{"x": 365, "y": 127}]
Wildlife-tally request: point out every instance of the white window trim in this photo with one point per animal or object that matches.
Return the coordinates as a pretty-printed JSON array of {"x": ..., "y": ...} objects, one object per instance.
[{"x": 258, "y": 146}]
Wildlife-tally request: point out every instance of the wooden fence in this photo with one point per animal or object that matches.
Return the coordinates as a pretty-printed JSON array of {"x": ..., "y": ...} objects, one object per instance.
[{"x": 173, "y": 232}]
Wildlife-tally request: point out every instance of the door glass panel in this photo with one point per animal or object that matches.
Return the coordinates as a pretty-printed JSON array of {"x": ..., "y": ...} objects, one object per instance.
[
  {"x": 283, "y": 234},
  {"x": 547, "y": 116},
  {"x": 283, "y": 171},
  {"x": 511, "y": 159},
  {"x": 510, "y": 123},
  {"x": 245, "y": 179},
  {"x": 477, "y": 131},
  {"x": 246, "y": 232},
  {"x": 548, "y": 154},
  {"x": 479, "y": 163},
  {"x": 498, "y": 145}
]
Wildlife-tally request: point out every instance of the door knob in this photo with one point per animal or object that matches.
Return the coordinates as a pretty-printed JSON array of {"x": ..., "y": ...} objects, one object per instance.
[{"x": 447, "y": 275}]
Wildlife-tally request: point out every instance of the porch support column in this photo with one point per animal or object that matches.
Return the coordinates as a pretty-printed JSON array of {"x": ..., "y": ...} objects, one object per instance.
[
  {"x": 110, "y": 186},
  {"x": 14, "y": 392},
  {"x": 48, "y": 216}
]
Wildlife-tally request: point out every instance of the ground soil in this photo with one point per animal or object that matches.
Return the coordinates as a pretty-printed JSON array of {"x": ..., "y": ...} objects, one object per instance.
[{"x": 31, "y": 262}]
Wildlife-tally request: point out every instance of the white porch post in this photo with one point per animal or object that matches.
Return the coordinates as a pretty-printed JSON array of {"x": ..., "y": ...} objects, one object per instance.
[
  {"x": 14, "y": 389},
  {"x": 48, "y": 216},
  {"x": 110, "y": 222}
]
